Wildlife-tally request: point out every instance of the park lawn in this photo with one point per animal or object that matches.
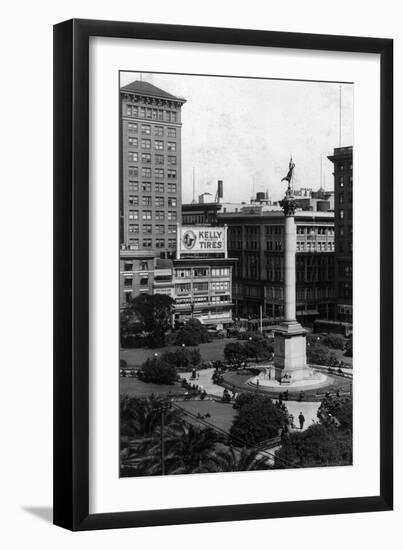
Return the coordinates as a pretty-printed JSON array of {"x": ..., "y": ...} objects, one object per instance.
[
  {"x": 136, "y": 388},
  {"x": 222, "y": 414},
  {"x": 211, "y": 351}
]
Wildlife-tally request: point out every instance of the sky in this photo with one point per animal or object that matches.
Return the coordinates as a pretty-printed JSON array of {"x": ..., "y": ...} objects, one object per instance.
[{"x": 243, "y": 131}]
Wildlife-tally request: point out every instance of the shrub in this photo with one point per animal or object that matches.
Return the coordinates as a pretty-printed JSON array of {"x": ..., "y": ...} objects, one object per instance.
[
  {"x": 320, "y": 355},
  {"x": 337, "y": 407},
  {"x": 183, "y": 358},
  {"x": 258, "y": 420},
  {"x": 335, "y": 341},
  {"x": 235, "y": 352},
  {"x": 349, "y": 348},
  {"x": 319, "y": 445},
  {"x": 243, "y": 399},
  {"x": 158, "y": 371},
  {"x": 192, "y": 334}
]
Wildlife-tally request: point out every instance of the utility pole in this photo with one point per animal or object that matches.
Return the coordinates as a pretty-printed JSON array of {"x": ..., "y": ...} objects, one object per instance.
[
  {"x": 340, "y": 115},
  {"x": 165, "y": 406},
  {"x": 261, "y": 319}
]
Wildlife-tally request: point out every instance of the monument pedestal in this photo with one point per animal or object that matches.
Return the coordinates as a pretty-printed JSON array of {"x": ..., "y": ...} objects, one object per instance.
[{"x": 290, "y": 353}]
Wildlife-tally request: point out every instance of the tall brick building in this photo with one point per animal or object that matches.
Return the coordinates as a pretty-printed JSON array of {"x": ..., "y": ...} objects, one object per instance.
[
  {"x": 150, "y": 183},
  {"x": 150, "y": 175},
  {"x": 342, "y": 160},
  {"x": 256, "y": 240}
]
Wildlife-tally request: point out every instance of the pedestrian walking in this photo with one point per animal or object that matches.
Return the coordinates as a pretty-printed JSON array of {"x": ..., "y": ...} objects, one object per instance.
[{"x": 301, "y": 419}]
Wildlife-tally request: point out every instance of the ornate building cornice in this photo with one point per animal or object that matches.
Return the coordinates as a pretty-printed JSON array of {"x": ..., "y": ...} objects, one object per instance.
[{"x": 151, "y": 101}]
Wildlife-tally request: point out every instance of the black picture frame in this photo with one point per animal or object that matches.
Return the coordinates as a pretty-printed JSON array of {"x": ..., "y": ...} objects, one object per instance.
[{"x": 71, "y": 274}]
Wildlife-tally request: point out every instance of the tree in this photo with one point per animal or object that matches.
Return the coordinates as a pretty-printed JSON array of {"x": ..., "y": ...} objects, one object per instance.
[
  {"x": 183, "y": 358},
  {"x": 192, "y": 334},
  {"x": 188, "y": 449},
  {"x": 235, "y": 352},
  {"x": 335, "y": 341},
  {"x": 258, "y": 420},
  {"x": 349, "y": 348},
  {"x": 129, "y": 326},
  {"x": 231, "y": 460},
  {"x": 318, "y": 445},
  {"x": 339, "y": 408},
  {"x": 317, "y": 354},
  {"x": 259, "y": 348},
  {"x": 140, "y": 417},
  {"x": 158, "y": 371},
  {"x": 140, "y": 425},
  {"x": 155, "y": 312},
  {"x": 243, "y": 399}
]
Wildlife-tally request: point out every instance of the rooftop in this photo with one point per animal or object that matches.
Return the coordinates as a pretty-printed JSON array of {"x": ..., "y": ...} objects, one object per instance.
[{"x": 147, "y": 89}]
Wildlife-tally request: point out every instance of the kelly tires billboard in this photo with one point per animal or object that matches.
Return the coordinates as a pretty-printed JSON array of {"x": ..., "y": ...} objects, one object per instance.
[{"x": 202, "y": 240}]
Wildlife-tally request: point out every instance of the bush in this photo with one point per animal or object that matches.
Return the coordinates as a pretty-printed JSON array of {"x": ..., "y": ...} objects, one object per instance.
[
  {"x": 349, "y": 348},
  {"x": 339, "y": 408},
  {"x": 259, "y": 349},
  {"x": 319, "y": 445},
  {"x": 183, "y": 358},
  {"x": 235, "y": 352},
  {"x": 243, "y": 399},
  {"x": 320, "y": 355},
  {"x": 258, "y": 420},
  {"x": 192, "y": 334},
  {"x": 158, "y": 371},
  {"x": 335, "y": 341}
]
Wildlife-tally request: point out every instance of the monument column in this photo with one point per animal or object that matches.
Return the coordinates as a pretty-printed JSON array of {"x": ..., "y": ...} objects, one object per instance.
[
  {"x": 290, "y": 337},
  {"x": 288, "y": 205}
]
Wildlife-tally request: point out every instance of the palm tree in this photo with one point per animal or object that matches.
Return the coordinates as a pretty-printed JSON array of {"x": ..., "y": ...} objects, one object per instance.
[
  {"x": 142, "y": 416},
  {"x": 140, "y": 425},
  {"x": 246, "y": 459},
  {"x": 188, "y": 449}
]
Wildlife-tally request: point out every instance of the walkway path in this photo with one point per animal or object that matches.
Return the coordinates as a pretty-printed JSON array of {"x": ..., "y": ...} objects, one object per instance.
[{"x": 307, "y": 408}]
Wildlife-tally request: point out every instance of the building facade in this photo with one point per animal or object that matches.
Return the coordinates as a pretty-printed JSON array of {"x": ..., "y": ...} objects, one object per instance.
[
  {"x": 150, "y": 184},
  {"x": 203, "y": 290},
  {"x": 156, "y": 255},
  {"x": 342, "y": 160},
  {"x": 150, "y": 174},
  {"x": 256, "y": 240}
]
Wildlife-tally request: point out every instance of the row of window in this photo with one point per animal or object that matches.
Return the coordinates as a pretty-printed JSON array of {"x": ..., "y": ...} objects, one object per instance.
[
  {"x": 146, "y": 144},
  {"x": 148, "y": 215},
  {"x": 134, "y": 172},
  {"x": 128, "y": 282},
  {"x": 186, "y": 288},
  {"x": 203, "y": 272},
  {"x": 148, "y": 228},
  {"x": 205, "y": 300},
  {"x": 342, "y": 213},
  {"x": 128, "y": 266},
  {"x": 342, "y": 180},
  {"x": 308, "y": 230},
  {"x": 344, "y": 166},
  {"x": 133, "y": 156},
  {"x": 134, "y": 243},
  {"x": 146, "y": 200},
  {"x": 315, "y": 247},
  {"x": 146, "y": 187},
  {"x": 348, "y": 196},
  {"x": 133, "y": 128},
  {"x": 150, "y": 113}
]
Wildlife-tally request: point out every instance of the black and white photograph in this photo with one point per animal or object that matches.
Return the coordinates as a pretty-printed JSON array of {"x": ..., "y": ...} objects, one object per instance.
[{"x": 235, "y": 274}]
